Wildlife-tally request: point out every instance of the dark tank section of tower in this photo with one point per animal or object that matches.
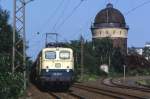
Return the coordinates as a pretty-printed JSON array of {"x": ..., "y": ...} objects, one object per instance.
[{"x": 110, "y": 22}]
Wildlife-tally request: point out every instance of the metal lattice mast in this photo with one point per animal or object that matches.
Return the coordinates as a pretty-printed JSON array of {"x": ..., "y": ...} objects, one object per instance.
[
  {"x": 82, "y": 56},
  {"x": 19, "y": 27},
  {"x": 14, "y": 38}
]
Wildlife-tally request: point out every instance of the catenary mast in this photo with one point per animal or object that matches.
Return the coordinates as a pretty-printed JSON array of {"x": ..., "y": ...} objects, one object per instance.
[{"x": 19, "y": 27}]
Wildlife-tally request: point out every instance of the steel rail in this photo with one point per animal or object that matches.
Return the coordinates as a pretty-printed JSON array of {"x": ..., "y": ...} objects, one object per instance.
[
  {"x": 107, "y": 92},
  {"x": 67, "y": 94},
  {"x": 126, "y": 86},
  {"x": 54, "y": 95}
]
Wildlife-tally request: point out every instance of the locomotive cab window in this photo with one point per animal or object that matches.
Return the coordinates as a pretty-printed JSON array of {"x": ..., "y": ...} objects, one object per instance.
[
  {"x": 50, "y": 55},
  {"x": 64, "y": 55}
]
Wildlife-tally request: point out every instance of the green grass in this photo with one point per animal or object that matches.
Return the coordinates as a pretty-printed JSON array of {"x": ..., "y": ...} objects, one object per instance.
[
  {"x": 87, "y": 77},
  {"x": 144, "y": 82}
]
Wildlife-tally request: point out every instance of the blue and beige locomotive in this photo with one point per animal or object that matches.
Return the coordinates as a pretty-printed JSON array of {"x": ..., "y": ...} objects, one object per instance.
[{"x": 54, "y": 65}]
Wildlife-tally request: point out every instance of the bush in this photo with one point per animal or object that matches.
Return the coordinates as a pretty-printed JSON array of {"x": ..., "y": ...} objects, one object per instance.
[
  {"x": 87, "y": 77},
  {"x": 11, "y": 86}
]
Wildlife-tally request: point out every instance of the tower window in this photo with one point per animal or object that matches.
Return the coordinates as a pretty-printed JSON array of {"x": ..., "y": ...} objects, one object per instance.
[
  {"x": 114, "y": 31},
  {"x": 107, "y": 32},
  {"x": 120, "y": 32},
  {"x": 100, "y": 33}
]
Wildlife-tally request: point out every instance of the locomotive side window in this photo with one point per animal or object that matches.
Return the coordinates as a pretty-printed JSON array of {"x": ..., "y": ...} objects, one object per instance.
[
  {"x": 64, "y": 55},
  {"x": 50, "y": 55}
]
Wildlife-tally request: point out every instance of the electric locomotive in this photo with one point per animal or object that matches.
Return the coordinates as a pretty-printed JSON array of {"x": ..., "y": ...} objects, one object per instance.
[{"x": 54, "y": 65}]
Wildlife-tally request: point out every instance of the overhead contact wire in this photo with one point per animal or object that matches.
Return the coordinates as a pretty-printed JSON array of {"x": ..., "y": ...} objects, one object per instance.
[
  {"x": 70, "y": 15},
  {"x": 63, "y": 11},
  {"x": 133, "y": 9},
  {"x": 53, "y": 14}
]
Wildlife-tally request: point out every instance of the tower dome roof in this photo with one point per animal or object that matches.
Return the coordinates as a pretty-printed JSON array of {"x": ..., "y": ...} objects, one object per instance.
[{"x": 110, "y": 15}]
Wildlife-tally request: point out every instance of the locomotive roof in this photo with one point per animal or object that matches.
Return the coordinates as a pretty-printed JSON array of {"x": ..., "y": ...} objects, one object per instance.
[
  {"x": 53, "y": 48},
  {"x": 56, "y": 48}
]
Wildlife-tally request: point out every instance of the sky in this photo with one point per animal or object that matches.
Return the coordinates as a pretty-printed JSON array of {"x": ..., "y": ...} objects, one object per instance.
[{"x": 47, "y": 16}]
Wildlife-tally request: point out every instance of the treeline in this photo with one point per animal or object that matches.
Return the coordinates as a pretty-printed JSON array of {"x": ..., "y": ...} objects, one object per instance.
[
  {"x": 102, "y": 52},
  {"x": 138, "y": 64},
  {"x": 11, "y": 85},
  {"x": 95, "y": 54}
]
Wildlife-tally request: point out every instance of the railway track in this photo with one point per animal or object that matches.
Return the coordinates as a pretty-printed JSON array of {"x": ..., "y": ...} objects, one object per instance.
[
  {"x": 111, "y": 83},
  {"x": 107, "y": 92},
  {"x": 110, "y": 89},
  {"x": 65, "y": 95},
  {"x": 53, "y": 95}
]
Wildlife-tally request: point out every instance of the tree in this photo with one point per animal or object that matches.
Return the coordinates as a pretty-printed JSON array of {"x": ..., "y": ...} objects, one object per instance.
[
  {"x": 5, "y": 40},
  {"x": 107, "y": 54},
  {"x": 91, "y": 65},
  {"x": 104, "y": 48},
  {"x": 90, "y": 60},
  {"x": 118, "y": 60},
  {"x": 10, "y": 84},
  {"x": 132, "y": 51},
  {"x": 146, "y": 53}
]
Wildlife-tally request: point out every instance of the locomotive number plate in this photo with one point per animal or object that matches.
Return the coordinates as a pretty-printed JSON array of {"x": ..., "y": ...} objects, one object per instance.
[{"x": 57, "y": 74}]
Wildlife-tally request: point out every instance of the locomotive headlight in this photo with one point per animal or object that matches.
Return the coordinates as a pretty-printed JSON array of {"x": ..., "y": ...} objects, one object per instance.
[
  {"x": 68, "y": 70},
  {"x": 47, "y": 70}
]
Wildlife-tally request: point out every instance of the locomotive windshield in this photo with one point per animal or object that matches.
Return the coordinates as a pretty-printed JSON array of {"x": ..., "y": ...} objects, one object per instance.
[
  {"x": 50, "y": 55},
  {"x": 64, "y": 55}
]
